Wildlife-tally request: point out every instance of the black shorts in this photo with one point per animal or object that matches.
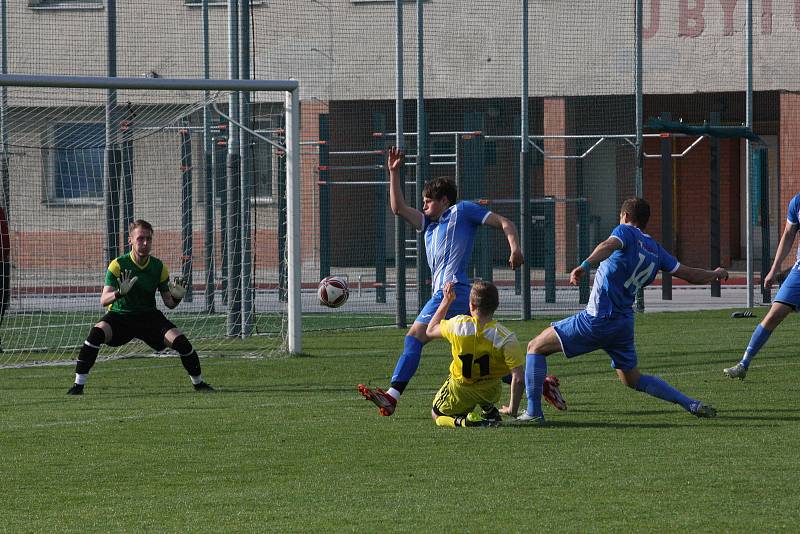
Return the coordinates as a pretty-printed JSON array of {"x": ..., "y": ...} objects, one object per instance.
[{"x": 150, "y": 327}]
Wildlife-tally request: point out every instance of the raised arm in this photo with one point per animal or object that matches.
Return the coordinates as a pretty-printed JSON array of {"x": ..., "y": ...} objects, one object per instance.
[
  {"x": 510, "y": 230},
  {"x": 448, "y": 296},
  {"x": 397, "y": 199},
  {"x": 784, "y": 247},
  {"x": 600, "y": 252}
]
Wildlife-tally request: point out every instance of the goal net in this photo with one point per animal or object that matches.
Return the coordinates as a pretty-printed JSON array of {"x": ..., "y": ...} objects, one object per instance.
[{"x": 81, "y": 163}]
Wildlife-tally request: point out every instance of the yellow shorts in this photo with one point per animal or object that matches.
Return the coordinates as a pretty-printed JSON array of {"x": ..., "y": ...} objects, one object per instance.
[{"x": 456, "y": 398}]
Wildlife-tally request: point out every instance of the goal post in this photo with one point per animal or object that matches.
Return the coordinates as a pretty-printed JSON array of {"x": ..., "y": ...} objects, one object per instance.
[{"x": 73, "y": 111}]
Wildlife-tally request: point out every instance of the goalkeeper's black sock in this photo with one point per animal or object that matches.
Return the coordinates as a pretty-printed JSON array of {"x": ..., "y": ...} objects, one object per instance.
[
  {"x": 89, "y": 351},
  {"x": 189, "y": 357}
]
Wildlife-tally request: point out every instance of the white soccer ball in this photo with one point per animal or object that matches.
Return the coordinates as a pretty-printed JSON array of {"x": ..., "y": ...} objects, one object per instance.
[{"x": 333, "y": 291}]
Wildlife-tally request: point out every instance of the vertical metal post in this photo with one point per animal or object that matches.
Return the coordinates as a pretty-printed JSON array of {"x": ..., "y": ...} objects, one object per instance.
[
  {"x": 186, "y": 207},
  {"x": 208, "y": 151},
  {"x": 639, "y": 88},
  {"x": 748, "y": 151},
  {"x": 279, "y": 163},
  {"x": 324, "y": 196},
  {"x": 422, "y": 168},
  {"x": 766, "y": 294},
  {"x": 221, "y": 190},
  {"x": 126, "y": 131},
  {"x": 714, "y": 208},
  {"x": 524, "y": 175},
  {"x": 234, "y": 326},
  {"x": 666, "y": 207},
  {"x": 4, "y": 163},
  {"x": 379, "y": 126},
  {"x": 246, "y": 171},
  {"x": 400, "y": 228},
  {"x": 110, "y": 167},
  {"x": 294, "y": 307}
]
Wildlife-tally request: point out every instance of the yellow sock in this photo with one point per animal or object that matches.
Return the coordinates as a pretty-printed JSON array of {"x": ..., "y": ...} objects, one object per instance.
[{"x": 446, "y": 421}]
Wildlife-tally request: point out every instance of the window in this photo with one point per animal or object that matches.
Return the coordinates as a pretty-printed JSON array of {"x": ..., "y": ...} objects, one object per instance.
[
  {"x": 75, "y": 166},
  {"x": 66, "y": 4},
  {"x": 266, "y": 160}
]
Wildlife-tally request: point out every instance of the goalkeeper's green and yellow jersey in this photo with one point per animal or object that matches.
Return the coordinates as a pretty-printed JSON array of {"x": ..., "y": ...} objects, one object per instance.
[
  {"x": 151, "y": 276},
  {"x": 480, "y": 354}
]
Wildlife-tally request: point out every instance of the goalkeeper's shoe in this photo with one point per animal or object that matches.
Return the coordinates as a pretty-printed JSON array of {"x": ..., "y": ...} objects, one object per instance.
[
  {"x": 525, "y": 417},
  {"x": 204, "y": 387},
  {"x": 737, "y": 371},
  {"x": 386, "y": 403},
  {"x": 76, "y": 389},
  {"x": 552, "y": 394},
  {"x": 703, "y": 410}
]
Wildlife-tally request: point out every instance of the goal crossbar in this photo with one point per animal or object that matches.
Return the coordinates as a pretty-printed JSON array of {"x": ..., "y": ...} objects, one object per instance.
[{"x": 292, "y": 106}]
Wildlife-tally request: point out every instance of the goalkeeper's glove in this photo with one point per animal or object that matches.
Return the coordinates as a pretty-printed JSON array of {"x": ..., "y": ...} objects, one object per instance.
[
  {"x": 177, "y": 288},
  {"x": 125, "y": 283}
]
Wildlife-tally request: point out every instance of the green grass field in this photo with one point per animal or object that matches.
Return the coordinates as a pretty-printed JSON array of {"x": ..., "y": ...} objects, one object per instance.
[{"x": 288, "y": 445}]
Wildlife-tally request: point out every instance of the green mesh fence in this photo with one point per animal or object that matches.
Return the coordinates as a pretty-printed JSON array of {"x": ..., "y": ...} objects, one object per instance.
[{"x": 585, "y": 156}]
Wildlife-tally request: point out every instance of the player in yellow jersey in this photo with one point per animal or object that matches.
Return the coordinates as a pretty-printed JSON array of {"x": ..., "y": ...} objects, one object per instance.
[{"x": 483, "y": 352}]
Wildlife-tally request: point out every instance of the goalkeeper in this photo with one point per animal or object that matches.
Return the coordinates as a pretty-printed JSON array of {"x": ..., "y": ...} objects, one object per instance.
[{"x": 129, "y": 294}]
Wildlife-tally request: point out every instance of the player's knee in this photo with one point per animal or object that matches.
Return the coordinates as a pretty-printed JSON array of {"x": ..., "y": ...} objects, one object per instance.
[
  {"x": 182, "y": 345},
  {"x": 419, "y": 331},
  {"x": 537, "y": 345},
  {"x": 96, "y": 337}
]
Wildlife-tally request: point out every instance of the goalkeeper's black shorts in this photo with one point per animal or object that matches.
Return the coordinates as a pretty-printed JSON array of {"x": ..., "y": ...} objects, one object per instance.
[{"x": 149, "y": 326}]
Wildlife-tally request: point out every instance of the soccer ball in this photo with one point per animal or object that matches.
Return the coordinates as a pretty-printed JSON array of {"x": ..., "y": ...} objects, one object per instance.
[{"x": 333, "y": 291}]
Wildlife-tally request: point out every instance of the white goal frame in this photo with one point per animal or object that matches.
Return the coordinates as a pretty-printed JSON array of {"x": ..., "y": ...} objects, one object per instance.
[{"x": 292, "y": 148}]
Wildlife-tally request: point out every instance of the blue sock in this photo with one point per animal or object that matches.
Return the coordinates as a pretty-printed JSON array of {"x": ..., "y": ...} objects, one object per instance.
[
  {"x": 535, "y": 372},
  {"x": 759, "y": 337},
  {"x": 409, "y": 361},
  {"x": 656, "y": 387}
]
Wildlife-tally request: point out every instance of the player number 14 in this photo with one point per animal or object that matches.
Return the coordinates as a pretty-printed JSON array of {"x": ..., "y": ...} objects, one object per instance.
[{"x": 640, "y": 276}]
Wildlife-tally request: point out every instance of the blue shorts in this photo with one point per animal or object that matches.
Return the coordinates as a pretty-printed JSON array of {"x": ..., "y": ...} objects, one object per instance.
[
  {"x": 460, "y": 306},
  {"x": 583, "y": 333},
  {"x": 789, "y": 292}
]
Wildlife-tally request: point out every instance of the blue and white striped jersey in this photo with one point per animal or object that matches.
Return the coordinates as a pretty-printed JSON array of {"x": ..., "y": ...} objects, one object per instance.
[{"x": 448, "y": 242}]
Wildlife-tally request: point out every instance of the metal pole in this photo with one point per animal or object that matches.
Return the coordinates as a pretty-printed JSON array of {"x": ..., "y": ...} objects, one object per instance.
[
  {"x": 234, "y": 198},
  {"x": 714, "y": 207},
  {"x": 748, "y": 148},
  {"x": 422, "y": 168},
  {"x": 186, "y": 208},
  {"x": 638, "y": 82},
  {"x": 400, "y": 230},
  {"x": 6, "y": 182},
  {"x": 208, "y": 150},
  {"x": 524, "y": 175},
  {"x": 666, "y": 207},
  {"x": 110, "y": 160},
  {"x": 294, "y": 307},
  {"x": 246, "y": 174}
]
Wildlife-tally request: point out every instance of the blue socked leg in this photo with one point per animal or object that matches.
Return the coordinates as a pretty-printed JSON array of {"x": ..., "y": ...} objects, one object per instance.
[
  {"x": 656, "y": 387},
  {"x": 408, "y": 362},
  {"x": 535, "y": 373}
]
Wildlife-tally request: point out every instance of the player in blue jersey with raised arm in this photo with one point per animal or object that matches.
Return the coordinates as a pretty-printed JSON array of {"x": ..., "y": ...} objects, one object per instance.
[
  {"x": 628, "y": 260},
  {"x": 786, "y": 300},
  {"x": 449, "y": 227}
]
